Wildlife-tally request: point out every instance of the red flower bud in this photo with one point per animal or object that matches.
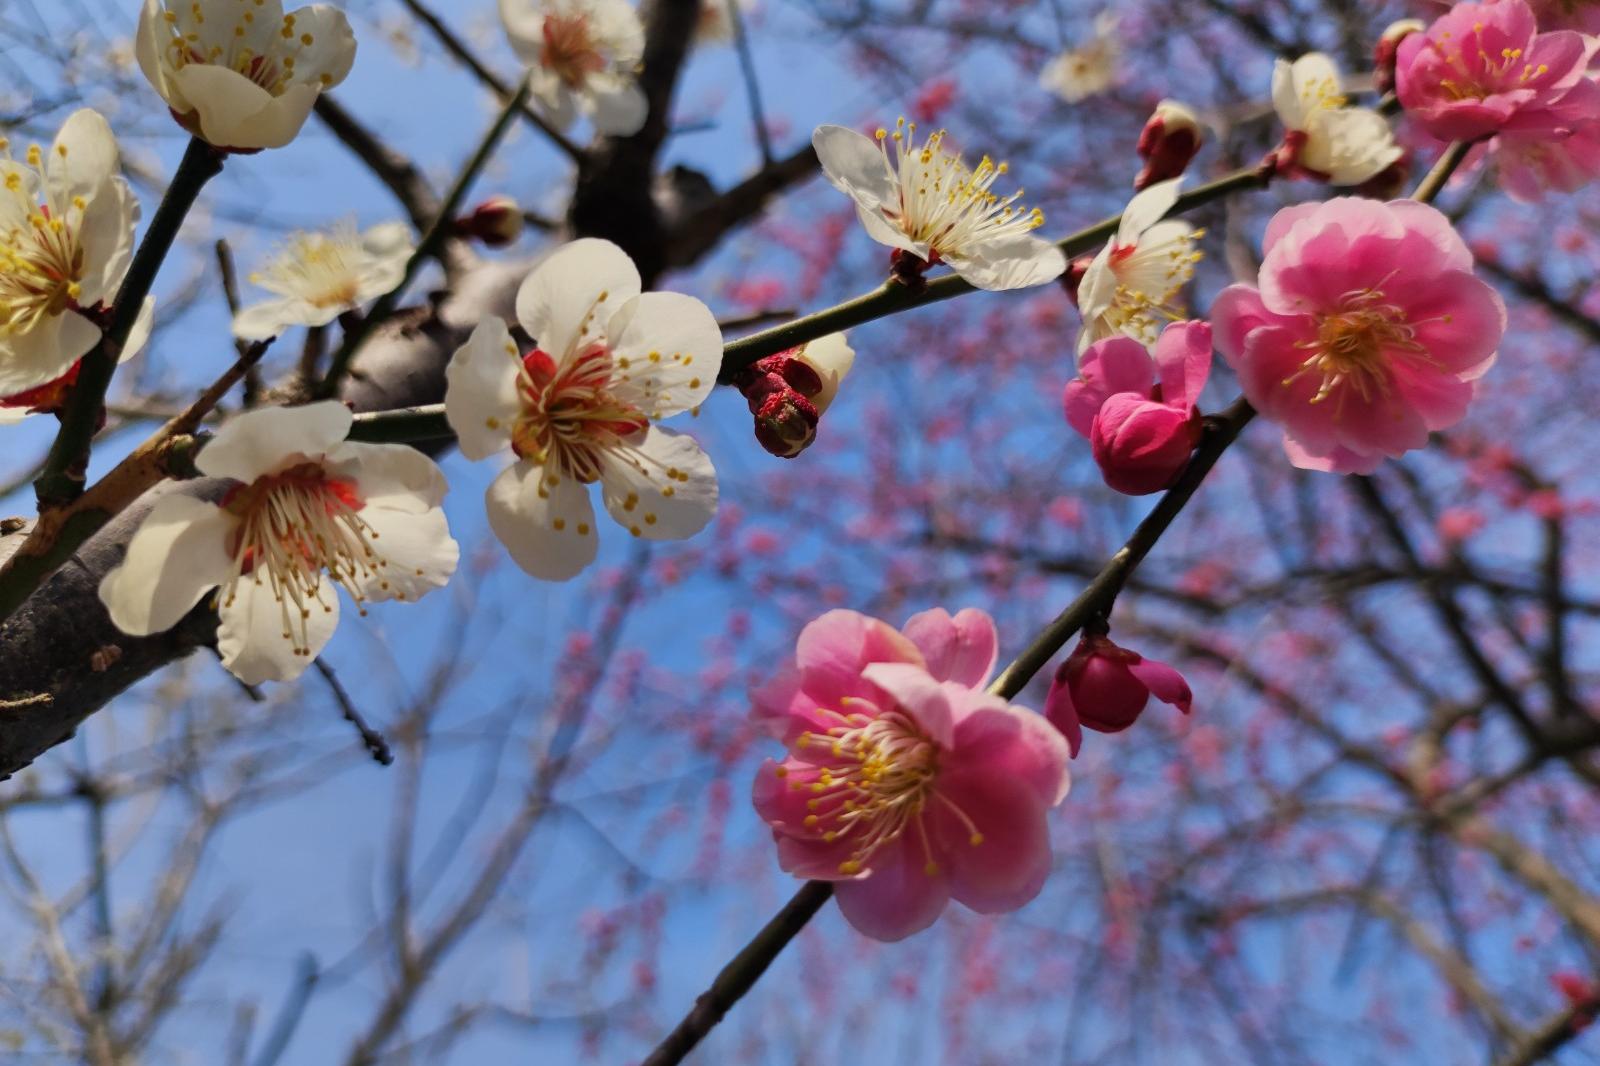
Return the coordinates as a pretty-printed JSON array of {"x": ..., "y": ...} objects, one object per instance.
[
  {"x": 1141, "y": 446},
  {"x": 497, "y": 222},
  {"x": 779, "y": 390},
  {"x": 1168, "y": 143},
  {"x": 1106, "y": 688}
]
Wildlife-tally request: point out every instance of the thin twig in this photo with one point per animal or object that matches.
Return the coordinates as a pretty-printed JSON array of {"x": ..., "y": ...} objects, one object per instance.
[
  {"x": 374, "y": 741},
  {"x": 228, "y": 273},
  {"x": 752, "y": 88}
]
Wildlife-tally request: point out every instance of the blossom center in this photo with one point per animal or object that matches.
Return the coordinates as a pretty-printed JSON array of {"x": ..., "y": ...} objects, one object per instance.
[
  {"x": 1356, "y": 345},
  {"x": 942, "y": 202},
  {"x": 871, "y": 777},
  {"x": 569, "y": 51},
  {"x": 293, "y": 526},
  {"x": 41, "y": 258},
  {"x": 1149, "y": 279},
  {"x": 570, "y": 418},
  {"x": 264, "y": 57},
  {"x": 323, "y": 270},
  {"x": 1490, "y": 73}
]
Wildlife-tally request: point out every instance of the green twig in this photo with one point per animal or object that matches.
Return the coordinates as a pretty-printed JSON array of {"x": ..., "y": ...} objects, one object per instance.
[
  {"x": 63, "y": 476},
  {"x": 430, "y": 247}
]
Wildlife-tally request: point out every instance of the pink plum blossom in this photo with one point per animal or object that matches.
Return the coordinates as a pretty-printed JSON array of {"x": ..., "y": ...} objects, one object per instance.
[
  {"x": 1481, "y": 69},
  {"x": 1531, "y": 164},
  {"x": 1367, "y": 330},
  {"x": 1139, "y": 412},
  {"x": 1106, "y": 688},
  {"x": 906, "y": 783}
]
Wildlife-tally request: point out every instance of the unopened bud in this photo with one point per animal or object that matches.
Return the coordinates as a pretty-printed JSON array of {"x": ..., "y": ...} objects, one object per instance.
[
  {"x": 1168, "y": 143},
  {"x": 831, "y": 358},
  {"x": 1383, "y": 54},
  {"x": 497, "y": 222}
]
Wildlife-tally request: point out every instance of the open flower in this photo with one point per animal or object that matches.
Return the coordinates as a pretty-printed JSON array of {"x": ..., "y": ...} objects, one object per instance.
[
  {"x": 1106, "y": 688},
  {"x": 1580, "y": 15},
  {"x": 317, "y": 277},
  {"x": 52, "y": 396},
  {"x": 1484, "y": 68},
  {"x": 1367, "y": 332},
  {"x": 906, "y": 783},
  {"x": 583, "y": 55},
  {"x": 1324, "y": 137},
  {"x": 1089, "y": 70},
  {"x": 926, "y": 202},
  {"x": 582, "y": 407},
  {"x": 1531, "y": 164},
  {"x": 1131, "y": 287},
  {"x": 1139, "y": 412},
  {"x": 66, "y": 239},
  {"x": 308, "y": 512},
  {"x": 243, "y": 75}
]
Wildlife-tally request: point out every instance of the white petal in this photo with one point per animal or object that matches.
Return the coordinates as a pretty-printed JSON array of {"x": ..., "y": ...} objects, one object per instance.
[
  {"x": 150, "y": 43},
  {"x": 1147, "y": 208},
  {"x": 672, "y": 348},
  {"x": 548, "y": 528},
  {"x": 235, "y": 112},
  {"x": 856, "y": 166},
  {"x": 258, "y": 442},
  {"x": 178, "y": 553},
  {"x": 618, "y": 105},
  {"x": 570, "y": 296},
  {"x": 252, "y": 638},
  {"x": 524, "y": 23},
  {"x": 139, "y": 335},
  {"x": 663, "y": 488},
  {"x": 417, "y": 552},
  {"x": 273, "y": 318},
  {"x": 1016, "y": 263},
  {"x": 327, "y": 60},
  {"x": 45, "y": 353},
  {"x": 881, "y": 229},
  {"x": 480, "y": 397},
  {"x": 83, "y": 159},
  {"x": 831, "y": 357},
  {"x": 1285, "y": 100},
  {"x": 395, "y": 477},
  {"x": 106, "y": 236},
  {"x": 389, "y": 248}
]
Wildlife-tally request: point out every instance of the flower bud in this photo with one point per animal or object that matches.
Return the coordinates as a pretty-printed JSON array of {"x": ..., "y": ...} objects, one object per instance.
[
  {"x": 1106, "y": 688},
  {"x": 1169, "y": 141},
  {"x": 497, "y": 222},
  {"x": 1141, "y": 446},
  {"x": 830, "y": 358},
  {"x": 1383, "y": 54}
]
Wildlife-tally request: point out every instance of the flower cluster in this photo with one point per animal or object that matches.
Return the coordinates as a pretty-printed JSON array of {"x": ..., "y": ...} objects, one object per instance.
[{"x": 1485, "y": 70}]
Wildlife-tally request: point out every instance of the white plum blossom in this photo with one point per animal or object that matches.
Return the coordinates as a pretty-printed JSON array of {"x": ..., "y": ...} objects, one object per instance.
[
  {"x": 308, "y": 512},
  {"x": 66, "y": 239},
  {"x": 609, "y": 362},
  {"x": 582, "y": 56},
  {"x": 241, "y": 74},
  {"x": 1131, "y": 287},
  {"x": 1324, "y": 137},
  {"x": 926, "y": 201},
  {"x": 316, "y": 277},
  {"x": 1080, "y": 73}
]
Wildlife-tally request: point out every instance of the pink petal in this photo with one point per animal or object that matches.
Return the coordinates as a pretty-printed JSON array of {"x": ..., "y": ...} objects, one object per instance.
[
  {"x": 898, "y": 899},
  {"x": 1120, "y": 364},
  {"x": 918, "y": 695},
  {"x": 833, "y": 649},
  {"x": 1164, "y": 683},
  {"x": 1236, "y": 311},
  {"x": 1009, "y": 741},
  {"x": 1183, "y": 355},
  {"x": 1080, "y": 402},
  {"x": 1008, "y": 865},
  {"x": 1061, "y": 713},
  {"x": 962, "y": 649}
]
